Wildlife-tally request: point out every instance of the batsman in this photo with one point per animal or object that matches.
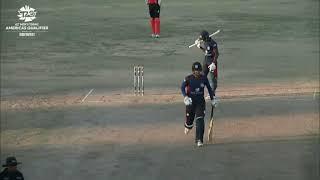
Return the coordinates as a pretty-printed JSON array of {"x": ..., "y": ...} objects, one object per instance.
[
  {"x": 210, "y": 62},
  {"x": 192, "y": 89}
]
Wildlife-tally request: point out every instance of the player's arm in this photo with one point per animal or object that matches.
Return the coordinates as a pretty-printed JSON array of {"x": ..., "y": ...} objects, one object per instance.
[
  {"x": 216, "y": 52},
  {"x": 183, "y": 87},
  {"x": 202, "y": 48},
  {"x": 199, "y": 43},
  {"x": 187, "y": 100}
]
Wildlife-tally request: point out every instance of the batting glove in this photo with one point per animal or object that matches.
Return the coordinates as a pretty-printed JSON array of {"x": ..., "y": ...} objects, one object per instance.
[
  {"x": 214, "y": 101},
  {"x": 187, "y": 101},
  {"x": 197, "y": 43},
  {"x": 212, "y": 67}
]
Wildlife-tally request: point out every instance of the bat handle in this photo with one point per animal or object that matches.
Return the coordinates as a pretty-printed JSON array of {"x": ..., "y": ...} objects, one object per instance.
[{"x": 191, "y": 45}]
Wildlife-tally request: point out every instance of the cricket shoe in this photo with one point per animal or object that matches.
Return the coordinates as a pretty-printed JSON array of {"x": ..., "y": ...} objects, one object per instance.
[
  {"x": 186, "y": 130},
  {"x": 199, "y": 143},
  {"x": 157, "y": 36},
  {"x": 153, "y": 35}
]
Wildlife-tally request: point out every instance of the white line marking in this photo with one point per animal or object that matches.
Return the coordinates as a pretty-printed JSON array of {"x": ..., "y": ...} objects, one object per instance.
[
  {"x": 314, "y": 94},
  {"x": 87, "y": 95}
]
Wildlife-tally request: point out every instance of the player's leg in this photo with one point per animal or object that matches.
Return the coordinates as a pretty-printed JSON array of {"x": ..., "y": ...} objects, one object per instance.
[
  {"x": 206, "y": 63},
  {"x": 152, "y": 12},
  {"x": 215, "y": 84},
  {"x": 199, "y": 118},
  {"x": 215, "y": 76},
  {"x": 188, "y": 124},
  {"x": 213, "y": 81},
  {"x": 157, "y": 21}
]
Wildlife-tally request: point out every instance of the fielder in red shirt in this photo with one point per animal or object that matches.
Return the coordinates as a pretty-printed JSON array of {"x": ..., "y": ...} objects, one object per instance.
[{"x": 154, "y": 11}]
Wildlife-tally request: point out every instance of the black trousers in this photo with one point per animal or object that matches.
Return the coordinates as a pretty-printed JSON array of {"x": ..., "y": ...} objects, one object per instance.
[
  {"x": 154, "y": 10},
  {"x": 196, "y": 112}
]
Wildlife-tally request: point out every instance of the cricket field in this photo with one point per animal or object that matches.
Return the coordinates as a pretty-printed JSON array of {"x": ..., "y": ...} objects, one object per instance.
[{"x": 68, "y": 109}]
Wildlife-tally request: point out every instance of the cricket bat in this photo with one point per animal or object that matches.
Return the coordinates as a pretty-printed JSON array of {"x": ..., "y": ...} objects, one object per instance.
[
  {"x": 211, "y": 127},
  {"x": 209, "y": 36}
]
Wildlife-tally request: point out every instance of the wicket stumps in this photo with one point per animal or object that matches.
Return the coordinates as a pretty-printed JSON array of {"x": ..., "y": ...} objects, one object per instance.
[{"x": 138, "y": 80}]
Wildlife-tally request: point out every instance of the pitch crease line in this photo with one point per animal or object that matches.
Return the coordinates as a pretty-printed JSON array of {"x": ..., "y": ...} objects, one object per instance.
[{"x": 87, "y": 95}]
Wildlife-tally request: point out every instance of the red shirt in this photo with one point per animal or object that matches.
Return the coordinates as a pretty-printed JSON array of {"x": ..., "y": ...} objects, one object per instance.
[{"x": 152, "y": 1}]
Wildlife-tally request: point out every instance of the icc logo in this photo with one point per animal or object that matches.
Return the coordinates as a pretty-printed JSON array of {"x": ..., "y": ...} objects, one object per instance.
[{"x": 27, "y": 14}]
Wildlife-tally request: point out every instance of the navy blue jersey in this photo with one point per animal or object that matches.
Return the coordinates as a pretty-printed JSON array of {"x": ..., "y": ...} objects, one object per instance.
[
  {"x": 6, "y": 175},
  {"x": 194, "y": 87},
  {"x": 210, "y": 48}
]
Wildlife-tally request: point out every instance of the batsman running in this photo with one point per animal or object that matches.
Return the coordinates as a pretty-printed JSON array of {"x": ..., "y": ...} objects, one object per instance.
[
  {"x": 210, "y": 62},
  {"x": 192, "y": 89},
  {"x": 154, "y": 11}
]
